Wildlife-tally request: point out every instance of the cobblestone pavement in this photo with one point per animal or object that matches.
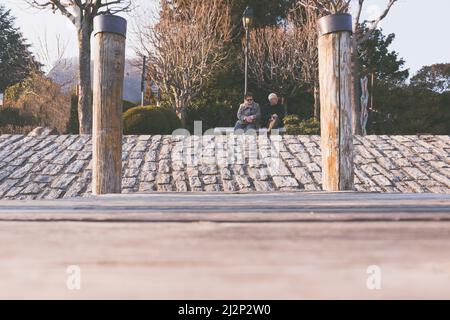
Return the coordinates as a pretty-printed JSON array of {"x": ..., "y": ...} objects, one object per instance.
[{"x": 40, "y": 166}]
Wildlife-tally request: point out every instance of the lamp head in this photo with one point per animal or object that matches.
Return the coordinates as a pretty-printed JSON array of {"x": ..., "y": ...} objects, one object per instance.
[{"x": 247, "y": 17}]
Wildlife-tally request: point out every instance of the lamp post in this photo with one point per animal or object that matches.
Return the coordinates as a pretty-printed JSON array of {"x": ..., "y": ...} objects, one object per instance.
[
  {"x": 144, "y": 69},
  {"x": 247, "y": 19}
]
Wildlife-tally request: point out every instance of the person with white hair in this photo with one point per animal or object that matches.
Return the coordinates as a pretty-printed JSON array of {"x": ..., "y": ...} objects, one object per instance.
[{"x": 274, "y": 112}]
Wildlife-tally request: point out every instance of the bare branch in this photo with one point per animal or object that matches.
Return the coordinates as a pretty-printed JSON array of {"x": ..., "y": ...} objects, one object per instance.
[
  {"x": 285, "y": 58},
  {"x": 329, "y": 6},
  {"x": 186, "y": 48},
  {"x": 85, "y": 8},
  {"x": 54, "y": 5}
]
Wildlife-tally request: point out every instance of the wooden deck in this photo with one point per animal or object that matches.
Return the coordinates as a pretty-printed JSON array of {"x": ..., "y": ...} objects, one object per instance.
[
  {"x": 229, "y": 207},
  {"x": 227, "y": 246}
]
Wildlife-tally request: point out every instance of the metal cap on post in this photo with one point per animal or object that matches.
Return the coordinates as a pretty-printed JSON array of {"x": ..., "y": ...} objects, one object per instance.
[
  {"x": 335, "y": 23},
  {"x": 111, "y": 24}
]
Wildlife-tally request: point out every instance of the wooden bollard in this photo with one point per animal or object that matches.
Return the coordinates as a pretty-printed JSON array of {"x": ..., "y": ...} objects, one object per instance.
[
  {"x": 109, "y": 66},
  {"x": 335, "y": 99}
]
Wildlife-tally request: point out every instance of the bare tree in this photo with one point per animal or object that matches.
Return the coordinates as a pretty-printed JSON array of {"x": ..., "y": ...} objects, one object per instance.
[
  {"x": 284, "y": 58},
  {"x": 360, "y": 35},
  {"x": 274, "y": 62},
  {"x": 306, "y": 41},
  {"x": 82, "y": 13},
  {"x": 51, "y": 58},
  {"x": 56, "y": 65},
  {"x": 186, "y": 48},
  {"x": 328, "y": 6}
]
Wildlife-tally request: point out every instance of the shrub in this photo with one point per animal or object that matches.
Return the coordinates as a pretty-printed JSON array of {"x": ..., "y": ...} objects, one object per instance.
[
  {"x": 172, "y": 118},
  {"x": 295, "y": 126},
  {"x": 147, "y": 120},
  {"x": 12, "y": 129},
  {"x": 127, "y": 105},
  {"x": 15, "y": 118},
  {"x": 291, "y": 120},
  {"x": 13, "y": 93},
  {"x": 42, "y": 98},
  {"x": 212, "y": 115},
  {"x": 73, "y": 127}
]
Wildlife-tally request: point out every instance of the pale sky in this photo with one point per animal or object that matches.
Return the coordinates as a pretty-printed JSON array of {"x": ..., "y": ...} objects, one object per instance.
[{"x": 421, "y": 28}]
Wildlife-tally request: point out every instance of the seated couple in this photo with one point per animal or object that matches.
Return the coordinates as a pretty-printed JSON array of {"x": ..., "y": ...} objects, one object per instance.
[{"x": 250, "y": 114}]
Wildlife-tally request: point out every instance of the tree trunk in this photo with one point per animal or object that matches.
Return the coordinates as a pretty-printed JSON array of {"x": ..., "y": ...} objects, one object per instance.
[
  {"x": 85, "y": 97},
  {"x": 372, "y": 85},
  {"x": 181, "y": 111},
  {"x": 182, "y": 116},
  {"x": 356, "y": 90},
  {"x": 316, "y": 94}
]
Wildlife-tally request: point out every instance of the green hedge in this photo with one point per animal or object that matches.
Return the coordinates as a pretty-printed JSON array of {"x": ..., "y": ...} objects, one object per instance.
[
  {"x": 295, "y": 126},
  {"x": 14, "y": 117},
  {"x": 172, "y": 118},
  {"x": 149, "y": 120},
  {"x": 127, "y": 105},
  {"x": 212, "y": 116}
]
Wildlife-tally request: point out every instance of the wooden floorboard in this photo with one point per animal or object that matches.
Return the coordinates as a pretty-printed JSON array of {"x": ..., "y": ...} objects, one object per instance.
[
  {"x": 253, "y": 207},
  {"x": 227, "y": 246}
]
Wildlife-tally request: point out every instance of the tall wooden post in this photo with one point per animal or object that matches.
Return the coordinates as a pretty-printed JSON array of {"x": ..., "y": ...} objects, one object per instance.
[
  {"x": 335, "y": 101},
  {"x": 109, "y": 66}
]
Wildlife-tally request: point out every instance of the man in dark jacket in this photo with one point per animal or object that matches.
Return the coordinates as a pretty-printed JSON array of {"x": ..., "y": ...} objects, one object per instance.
[
  {"x": 274, "y": 113},
  {"x": 249, "y": 114}
]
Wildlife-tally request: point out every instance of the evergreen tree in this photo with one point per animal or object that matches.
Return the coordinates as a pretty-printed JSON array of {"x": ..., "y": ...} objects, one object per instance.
[
  {"x": 435, "y": 78},
  {"x": 16, "y": 60},
  {"x": 378, "y": 60},
  {"x": 380, "y": 64}
]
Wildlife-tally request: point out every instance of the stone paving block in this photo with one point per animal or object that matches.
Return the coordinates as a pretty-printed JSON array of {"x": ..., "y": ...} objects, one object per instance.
[
  {"x": 285, "y": 182},
  {"x": 21, "y": 172},
  {"x": 63, "y": 181}
]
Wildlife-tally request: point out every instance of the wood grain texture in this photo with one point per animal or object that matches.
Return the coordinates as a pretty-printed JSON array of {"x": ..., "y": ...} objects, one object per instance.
[
  {"x": 109, "y": 62},
  {"x": 336, "y": 117},
  {"x": 229, "y": 207},
  {"x": 123, "y": 260},
  {"x": 345, "y": 113}
]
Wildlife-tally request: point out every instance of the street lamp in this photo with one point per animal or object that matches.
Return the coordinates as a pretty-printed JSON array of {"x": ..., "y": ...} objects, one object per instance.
[
  {"x": 247, "y": 19},
  {"x": 144, "y": 74}
]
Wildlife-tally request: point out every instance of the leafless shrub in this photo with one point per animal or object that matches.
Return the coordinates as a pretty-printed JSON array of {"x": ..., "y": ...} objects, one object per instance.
[{"x": 43, "y": 99}]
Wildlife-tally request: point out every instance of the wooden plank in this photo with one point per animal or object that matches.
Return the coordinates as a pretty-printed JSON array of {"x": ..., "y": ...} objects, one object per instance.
[
  {"x": 224, "y": 261},
  {"x": 292, "y": 207}
]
